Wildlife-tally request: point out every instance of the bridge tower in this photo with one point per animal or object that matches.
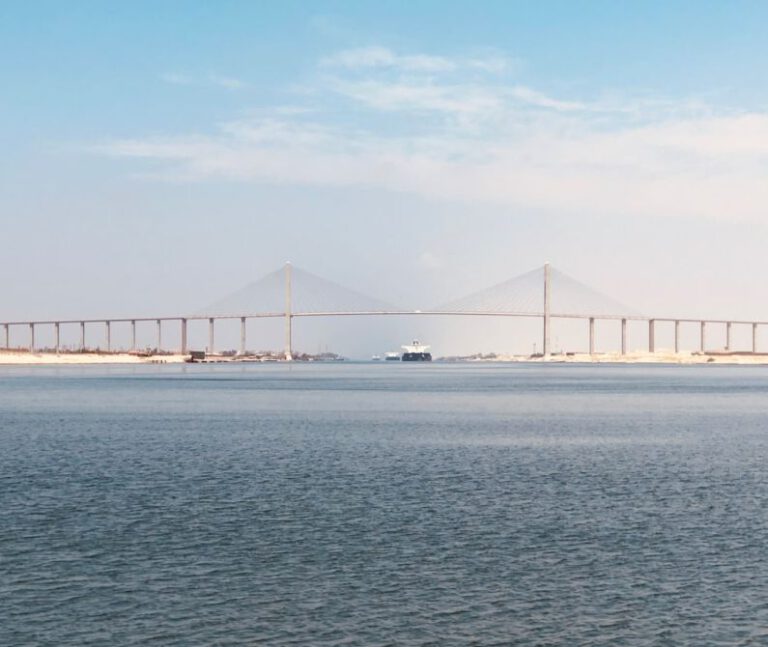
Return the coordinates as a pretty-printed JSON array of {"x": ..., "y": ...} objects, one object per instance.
[{"x": 288, "y": 315}]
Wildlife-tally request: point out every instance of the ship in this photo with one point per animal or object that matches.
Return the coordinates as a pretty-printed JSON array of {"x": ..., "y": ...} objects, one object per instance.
[
  {"x": 416, "y": 352},
  {"x": 392, "y": 357}
]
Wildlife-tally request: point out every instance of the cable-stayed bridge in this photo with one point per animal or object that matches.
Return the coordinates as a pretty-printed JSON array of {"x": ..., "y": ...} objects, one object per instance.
[{"x": 290, "y": 292}]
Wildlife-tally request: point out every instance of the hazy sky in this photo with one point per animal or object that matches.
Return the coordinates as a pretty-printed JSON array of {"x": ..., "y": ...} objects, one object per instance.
[{"x": 157, "y": 156}]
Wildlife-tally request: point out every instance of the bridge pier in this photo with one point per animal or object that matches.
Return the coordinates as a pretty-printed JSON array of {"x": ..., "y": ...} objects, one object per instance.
[
  {"x": 108, "y": 336},
  {"x": 591, "y": 335},
  {"x": 7, "y": 335},
  {"x": 159, "y": 335},
  {"x": 623, "y": 336},
  {"x": 57, "y": 330},
  {"x": 677, "y": 337},
  {"x": 31, "y": 338},
  {"x": 242, "y": 335},
  {"x": 547, "y": 297},
  {"x": 728, "y": 336},
  {"x": 82, "y": 336},
  {"x": 183, "y": 336},
  {"x": 703, "y": 337},
  {"x": 288, "y": 337},
  {"x": 210, "y": 335},
  {"x": 133, "y": 335},
  {"x": 652, "y": 336},
  {"x": 754, "y": 338}
]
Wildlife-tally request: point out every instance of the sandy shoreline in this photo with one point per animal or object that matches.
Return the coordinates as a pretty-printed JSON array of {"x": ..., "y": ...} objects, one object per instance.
[
  {"x": 10, "y": 357},
  {"x": 659, "y": 357},
  {"x": 20, "y": 357}
]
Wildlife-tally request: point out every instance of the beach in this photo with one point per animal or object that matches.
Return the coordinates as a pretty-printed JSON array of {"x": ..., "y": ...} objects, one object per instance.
[
  {"x": 636, "y": 357},
  {"x": 22, "y": 357},
  {"x": 31, "y": 358}
]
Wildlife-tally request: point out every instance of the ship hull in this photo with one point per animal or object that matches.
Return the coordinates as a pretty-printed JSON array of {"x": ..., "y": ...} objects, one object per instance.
[{"x": 417, "y": 357}]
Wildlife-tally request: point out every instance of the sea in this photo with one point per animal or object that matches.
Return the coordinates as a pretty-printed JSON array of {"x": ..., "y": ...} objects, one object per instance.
[{"x": 384, "y": 504}]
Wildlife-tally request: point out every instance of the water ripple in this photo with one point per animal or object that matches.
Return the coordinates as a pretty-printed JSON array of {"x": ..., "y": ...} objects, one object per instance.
[{"x": 480, "y": 506}]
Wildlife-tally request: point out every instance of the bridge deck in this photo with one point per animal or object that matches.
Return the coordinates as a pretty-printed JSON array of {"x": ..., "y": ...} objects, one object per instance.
[{"x": 369, "y": 313}]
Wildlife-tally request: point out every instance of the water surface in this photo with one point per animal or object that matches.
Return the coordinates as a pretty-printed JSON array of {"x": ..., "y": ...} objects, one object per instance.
[{"x": 383, "y": 504}]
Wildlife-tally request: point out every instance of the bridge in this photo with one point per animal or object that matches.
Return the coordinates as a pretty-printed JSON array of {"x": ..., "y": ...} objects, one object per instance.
[{"x": 291, "y": 293}]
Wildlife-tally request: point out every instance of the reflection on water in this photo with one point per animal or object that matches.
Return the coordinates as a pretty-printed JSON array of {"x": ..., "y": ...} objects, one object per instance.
[{"x": 383, "y": 504}]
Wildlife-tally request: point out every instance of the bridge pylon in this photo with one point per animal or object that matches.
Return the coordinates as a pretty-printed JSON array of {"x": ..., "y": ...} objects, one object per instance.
[{"x": 288, "y": 315}]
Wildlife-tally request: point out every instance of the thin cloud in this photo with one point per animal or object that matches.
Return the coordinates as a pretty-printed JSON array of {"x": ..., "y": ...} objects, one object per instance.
[
  {"x": 535, "y": 98},
  {"x": 453, "y": 98},
  {"x": 647, "y": 171},
  {"x": 419, "y": 97},
  {"x": 228, "y": 82},
  {"x": 381, "y": 57},
  {"x": 484, "y": 143},
  {"x": 494, "y": 64}
]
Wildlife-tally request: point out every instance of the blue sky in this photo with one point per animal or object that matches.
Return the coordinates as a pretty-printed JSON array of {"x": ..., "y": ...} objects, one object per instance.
[
  {"x": 93, "y": 68},
  {"x": 591, "y": 134}
]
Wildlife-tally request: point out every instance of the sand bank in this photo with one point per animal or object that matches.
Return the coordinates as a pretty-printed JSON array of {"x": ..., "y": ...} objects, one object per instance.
[
  {"x": 27, "y": 358},
  {"x": 659, "y": 357}
]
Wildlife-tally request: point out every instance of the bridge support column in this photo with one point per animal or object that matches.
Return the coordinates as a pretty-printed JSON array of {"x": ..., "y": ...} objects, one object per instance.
[
  {"x": 677, "y": 337},
  {"x": 7, "y": 335},
  {"x": 210, "y": 335},
  {"x": 133, "y": 335},
  {"x": 547, "y": 297},
  {"x": 288, "y": 338},
  {"x": 57, "y": 330},
  {"x": 159, "y": 335},
  {"x": 242, "y": 335},
  {"x": 82, "y": 336},
  {"x": 728, "y": 336},
  {"x": 183, "y": 336},
  {"x": 591, "y": 335},
  {"x": 652, "y": 336},
  {"x": 754, "y": 338},
  {"x": 31, "y": 338},
  {"x": 108, "y": 336},
  {"x": 623, "y": 336},
  {"x": 703, "y": 337},
  {"x": 288, "y": 315}
]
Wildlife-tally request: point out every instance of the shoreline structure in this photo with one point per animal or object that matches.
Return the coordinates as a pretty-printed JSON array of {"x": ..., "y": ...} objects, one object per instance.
[
  {"x": 27, "y": 358},
  {"x": 31, "y": 358},
  {"x": 660, "y": 356},
  {"x": 50, "y": 356}
]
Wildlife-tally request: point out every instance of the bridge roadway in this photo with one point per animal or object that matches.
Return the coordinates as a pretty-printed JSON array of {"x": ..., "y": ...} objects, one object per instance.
[{"x": 288, "y": 316}]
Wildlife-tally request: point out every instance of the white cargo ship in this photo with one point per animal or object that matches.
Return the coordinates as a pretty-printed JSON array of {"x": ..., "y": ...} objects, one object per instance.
[{"x": 416, "y": 352}]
